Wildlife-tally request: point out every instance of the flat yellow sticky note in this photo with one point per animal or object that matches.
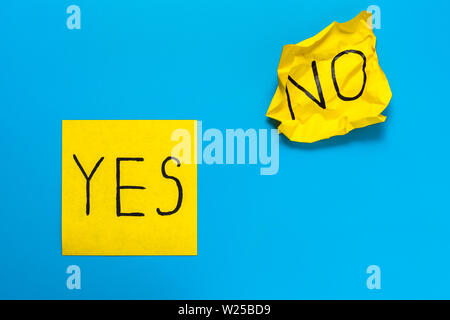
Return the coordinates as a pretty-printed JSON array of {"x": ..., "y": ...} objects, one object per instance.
[
  {"x": 331, "y": 83},
  {"x": 123, "y": 190}
]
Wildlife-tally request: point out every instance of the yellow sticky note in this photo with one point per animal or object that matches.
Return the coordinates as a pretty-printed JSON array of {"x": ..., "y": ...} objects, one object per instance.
[
  {"x": 330, "y": 84},
  {"x": 123, "y": 190}
]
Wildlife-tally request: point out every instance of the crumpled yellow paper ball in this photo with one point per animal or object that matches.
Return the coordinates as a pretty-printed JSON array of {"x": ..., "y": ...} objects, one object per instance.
[{"x": 330, "y": 84}]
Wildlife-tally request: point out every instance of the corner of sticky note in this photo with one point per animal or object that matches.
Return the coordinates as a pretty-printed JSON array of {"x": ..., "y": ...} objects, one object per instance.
[{"x": 124, "y": 192}]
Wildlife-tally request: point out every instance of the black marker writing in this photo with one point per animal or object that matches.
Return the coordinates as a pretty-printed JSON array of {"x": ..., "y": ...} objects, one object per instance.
[
  {"x": 321, "y": 103},
  {"x": 180, "y": 188},
  {"x": 289, "y": 104},
  {"x": 333, "y": 73},
  {"x": 88, "y": 180},
  {"x": 119, "y": 187}
]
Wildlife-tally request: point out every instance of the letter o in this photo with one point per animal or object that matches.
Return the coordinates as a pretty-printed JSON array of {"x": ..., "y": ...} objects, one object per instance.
[{"x": 333, "y": 73}]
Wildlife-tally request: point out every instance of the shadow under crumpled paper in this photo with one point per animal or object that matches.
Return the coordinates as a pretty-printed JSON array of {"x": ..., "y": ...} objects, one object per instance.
[{"x": 366, "y": 134}]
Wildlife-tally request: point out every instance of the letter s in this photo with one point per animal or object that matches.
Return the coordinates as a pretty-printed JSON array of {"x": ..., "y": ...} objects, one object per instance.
[{"x": 180, "y": 188}]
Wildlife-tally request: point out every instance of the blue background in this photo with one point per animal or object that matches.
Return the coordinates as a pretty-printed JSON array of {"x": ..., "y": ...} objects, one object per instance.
[{"x": 376, "y": 196}]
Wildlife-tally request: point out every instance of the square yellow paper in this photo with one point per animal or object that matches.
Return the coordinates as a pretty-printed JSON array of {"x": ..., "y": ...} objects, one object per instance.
[{"x": 158, "y": 220}]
